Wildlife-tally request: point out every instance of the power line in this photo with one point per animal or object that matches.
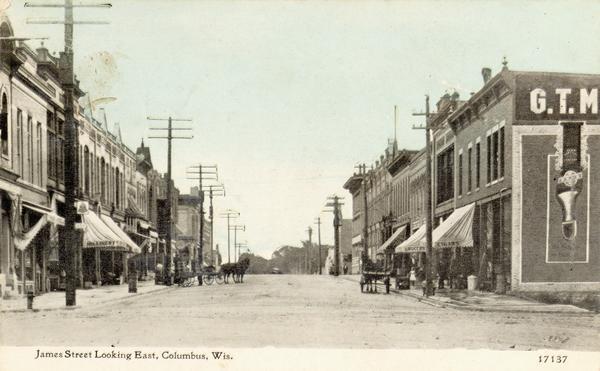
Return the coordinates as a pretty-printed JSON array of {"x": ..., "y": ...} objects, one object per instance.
[
  {"x": 169, "y": 137},
  {"x": 71, "y": 145}
]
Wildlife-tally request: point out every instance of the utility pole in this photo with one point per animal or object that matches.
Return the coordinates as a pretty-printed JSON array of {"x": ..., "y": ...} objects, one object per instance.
[
  {"x": 239, "y": 246},
  {"x": 237, "y": 227},
  {"x": 201, "y": 172},
  {"x": 213, "y": 190},
  {"x": 71, "y": 145},
  {"x": 428, "y": 202},
  {"x": 334, "y": 201},
  {"x": 318, "y": 223},
  {"x": 229, "y": 214},
  {"x": 169, "y": 200},
  {"x": 308, "y": 265}
]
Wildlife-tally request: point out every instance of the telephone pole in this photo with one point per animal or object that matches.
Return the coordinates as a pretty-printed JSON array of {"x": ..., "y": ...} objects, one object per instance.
[
  {"x": 237, "y": 227},
  {"x": 239, "y": 246},
  {"x": 334, "y": 202},
  {"x": 213, "y": 191},
  {"x": 308, "y": 265},
  {"x": 170, "y": 120},
  {"x": 428, "y": 202},
  {"x": 201, "y": 172},
  {"x": 318, "y": 223},
  {"x": 71, "y": 145},
  {"x": 229, "y": 214}
]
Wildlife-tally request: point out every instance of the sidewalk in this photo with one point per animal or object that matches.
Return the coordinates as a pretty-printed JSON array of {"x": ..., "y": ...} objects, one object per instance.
[
  {"x": 56, "y": 300},
  {"x": 482, "y": 301}
]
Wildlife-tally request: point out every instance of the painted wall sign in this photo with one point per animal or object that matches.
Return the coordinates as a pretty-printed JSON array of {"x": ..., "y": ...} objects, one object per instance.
[{"x": 548, "y": 97}]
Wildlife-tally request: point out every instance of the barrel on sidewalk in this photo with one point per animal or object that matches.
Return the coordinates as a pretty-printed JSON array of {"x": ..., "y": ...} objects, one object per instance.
[{"x": 132, "y": 278}]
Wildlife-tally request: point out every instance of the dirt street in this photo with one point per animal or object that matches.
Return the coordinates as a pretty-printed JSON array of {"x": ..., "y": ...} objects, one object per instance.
[{"x": 294, "y": 311}]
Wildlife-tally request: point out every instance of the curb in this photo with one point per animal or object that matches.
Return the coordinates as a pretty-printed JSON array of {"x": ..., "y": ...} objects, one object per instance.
[
  {"x": 477, "y": 308},
  {"x": 458, "y": 305},
  {"x": 111, "y": 300}
]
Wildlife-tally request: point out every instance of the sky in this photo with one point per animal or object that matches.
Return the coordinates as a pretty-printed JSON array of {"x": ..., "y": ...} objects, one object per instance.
[{"x": 288, "y": 96}]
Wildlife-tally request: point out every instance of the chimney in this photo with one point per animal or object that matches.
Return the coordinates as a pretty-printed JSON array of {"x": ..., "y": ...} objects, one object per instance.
[{"x": 486, "y": 72}]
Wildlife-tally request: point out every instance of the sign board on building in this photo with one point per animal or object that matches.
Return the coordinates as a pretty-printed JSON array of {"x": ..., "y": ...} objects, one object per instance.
[{"x": 543, "y": 97}]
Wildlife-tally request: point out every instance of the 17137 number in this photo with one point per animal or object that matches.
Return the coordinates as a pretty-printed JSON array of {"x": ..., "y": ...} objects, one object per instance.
[{"x": 552, "y": 359}]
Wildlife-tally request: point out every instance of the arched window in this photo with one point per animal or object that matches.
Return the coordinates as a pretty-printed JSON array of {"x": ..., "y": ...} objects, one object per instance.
[
  {"x": 4, "y": 126},
  {"x": 86, "y": 170}
]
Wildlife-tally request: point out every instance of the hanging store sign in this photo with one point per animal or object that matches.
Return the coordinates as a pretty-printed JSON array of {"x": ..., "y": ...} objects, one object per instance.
[{"x": 565, "y": 97}]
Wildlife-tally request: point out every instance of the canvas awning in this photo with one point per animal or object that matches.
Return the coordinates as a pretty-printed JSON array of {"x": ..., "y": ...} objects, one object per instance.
[
  {"x": 52, "y": 217},
  {"x": 133, "y": 248},
  {"x": 393, "y": 237},
  {"x": 456, "y": 230},
  {"x": 98, "y": 234},
  {"x": 414, "y": 243}
]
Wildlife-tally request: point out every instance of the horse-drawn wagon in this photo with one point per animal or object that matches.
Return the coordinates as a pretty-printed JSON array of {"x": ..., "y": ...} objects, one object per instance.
[{"x": 374, "y": 274}]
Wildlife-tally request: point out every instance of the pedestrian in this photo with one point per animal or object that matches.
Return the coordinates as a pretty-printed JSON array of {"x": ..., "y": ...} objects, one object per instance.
[{"x": 345, "y": 269}]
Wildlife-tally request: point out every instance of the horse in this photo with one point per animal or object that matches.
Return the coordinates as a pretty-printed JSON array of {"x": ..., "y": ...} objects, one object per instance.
[
  {"x": 240, "y": 269},
  {"x": 236, "y": 270}
]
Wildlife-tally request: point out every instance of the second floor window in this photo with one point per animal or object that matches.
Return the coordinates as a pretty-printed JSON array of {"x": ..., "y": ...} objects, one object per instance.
[{"x": 445, "y": 175}]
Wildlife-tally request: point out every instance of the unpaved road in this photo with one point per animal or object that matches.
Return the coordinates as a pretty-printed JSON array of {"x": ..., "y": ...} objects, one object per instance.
[{"x": 294, "y": 311}]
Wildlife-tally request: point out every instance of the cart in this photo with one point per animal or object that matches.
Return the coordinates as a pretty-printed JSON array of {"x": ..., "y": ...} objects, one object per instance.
[{"x": 210, "y": 274}]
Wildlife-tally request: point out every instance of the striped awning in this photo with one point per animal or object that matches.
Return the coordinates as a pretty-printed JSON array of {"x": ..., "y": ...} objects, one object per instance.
[
  {"x": 400, "y": 231},
  {"x": 133, "y": 248},
  {"x": 98, "y": 235}
]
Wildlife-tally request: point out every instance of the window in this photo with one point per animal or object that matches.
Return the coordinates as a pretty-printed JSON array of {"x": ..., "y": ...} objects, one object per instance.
[
  {"x": 40, "y": 158},
  {"x": 477, "y": 164},
  {"x": 470, "y": 168},
  {"x": 460, "y": 172},
  {"x": 86, "y": 170},
  {"x": 501, "y": 153},
  {"x": 445, "y": 175},
  {"x": 30, "y": 149},
  {"x": 18, "y": 154},
  {"x": 4, "y": 126},
  {"x": 489, "y": 158},
  {"x": 495, "y": 155}
]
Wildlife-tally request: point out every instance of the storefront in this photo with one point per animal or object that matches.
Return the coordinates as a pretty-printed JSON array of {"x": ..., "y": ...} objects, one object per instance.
[{"x": 106, "y": 250}]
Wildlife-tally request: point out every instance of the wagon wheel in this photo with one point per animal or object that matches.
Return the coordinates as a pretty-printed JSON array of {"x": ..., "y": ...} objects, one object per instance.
[
  {"x": 219, "y": 278},
  {"x": 208, "y": 279}
]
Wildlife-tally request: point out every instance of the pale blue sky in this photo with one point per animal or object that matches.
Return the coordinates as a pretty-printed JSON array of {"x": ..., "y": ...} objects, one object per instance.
[{"x": 287, "y": 96}]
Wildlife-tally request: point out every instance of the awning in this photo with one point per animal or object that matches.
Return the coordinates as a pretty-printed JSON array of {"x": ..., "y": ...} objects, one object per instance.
[
  {"x": 133, "y": 248},
  {"x": 98, "y": 234},
  {"x": 457, "y": 230},
  {"x": 393, "y": 237},
  {"x": 23, "y": 239},
  {"x": 414, "y": 243},
  {"x": 52, "y": 217}
]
